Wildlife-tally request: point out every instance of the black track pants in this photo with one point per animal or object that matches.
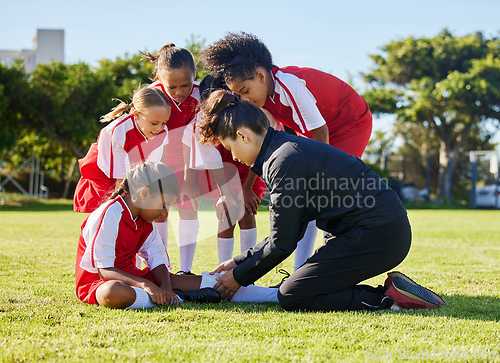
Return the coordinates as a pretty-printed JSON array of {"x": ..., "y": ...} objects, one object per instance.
[{"x": 329, "y": 279}]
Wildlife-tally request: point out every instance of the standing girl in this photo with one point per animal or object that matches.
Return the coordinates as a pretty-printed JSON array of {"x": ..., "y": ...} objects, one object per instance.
[
  {"x": 131, "y": 138},
  {"x": 248, "y": 186},
  {"x": 174, "y": 75},
  {"x": 315, "y": 104},
  {"x": 120, "y": 228}
]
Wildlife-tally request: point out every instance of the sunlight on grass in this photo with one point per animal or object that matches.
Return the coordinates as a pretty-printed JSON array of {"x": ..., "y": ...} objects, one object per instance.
[{"x": 454, "y": 252}]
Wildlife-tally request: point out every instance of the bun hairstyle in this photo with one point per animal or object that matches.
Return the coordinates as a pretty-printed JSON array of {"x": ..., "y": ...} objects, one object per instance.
[
  {"x": 224, "y": 113},
  {"x": 236, "y": 57},
  {"x": 155, "y": 176},
  {"x": 170, "y": 57},
  {"x": 142, "y": 99}
]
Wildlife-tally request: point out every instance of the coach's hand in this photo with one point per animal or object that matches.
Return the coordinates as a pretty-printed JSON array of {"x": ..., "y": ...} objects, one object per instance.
[
  {"x": 227, "y": 285},
  {"x": 224, "y": 266}
]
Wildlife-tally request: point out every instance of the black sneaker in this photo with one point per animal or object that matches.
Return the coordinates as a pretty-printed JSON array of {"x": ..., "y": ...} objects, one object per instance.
[
  {"x": 284, "y": 272},
  {"x": 188, "y": 273},
  {"x": 205, "y": 295}
]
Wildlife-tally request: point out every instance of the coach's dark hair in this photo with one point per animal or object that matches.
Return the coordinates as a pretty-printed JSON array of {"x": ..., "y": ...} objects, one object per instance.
[
  {"x": 236, "y": 57},
  {"x": 224, "y": 113},
  {"x": 210, "y": 84},
  {"x": 154, "y": 175},
  {"x": 171, "y": 57}
]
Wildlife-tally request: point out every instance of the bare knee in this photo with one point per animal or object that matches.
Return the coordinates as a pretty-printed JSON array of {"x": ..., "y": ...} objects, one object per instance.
[{"x": 115, "y": 294}]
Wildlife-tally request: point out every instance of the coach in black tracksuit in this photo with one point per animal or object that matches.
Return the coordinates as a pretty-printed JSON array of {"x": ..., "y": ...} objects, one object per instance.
[
  {"x": 369, "y": 232},
  {"x": 368, "y": 228}
]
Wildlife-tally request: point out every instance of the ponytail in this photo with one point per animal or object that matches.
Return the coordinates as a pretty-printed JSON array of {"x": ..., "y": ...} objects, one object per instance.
[
  {"x": 170, "y": 57},
  {"x": 225, "y": 113},
  {"x": 116, "y": 111}
]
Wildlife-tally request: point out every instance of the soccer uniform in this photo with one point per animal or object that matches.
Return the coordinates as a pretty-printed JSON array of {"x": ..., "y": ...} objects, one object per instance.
[
  {"x": 206, "y": 157},
  {"x": 110, "y": 237},
  {"x": 119, "y": 147},
  {"x": 305, "y": 99},
  {"x": 182, "y": 114}
]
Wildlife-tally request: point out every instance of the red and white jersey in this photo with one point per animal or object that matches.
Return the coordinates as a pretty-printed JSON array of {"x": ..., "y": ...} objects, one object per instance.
[
  {"x": 110, "y": 237},
  {"x": 181, "y": 115},
  {"x": 121, "y": 145},
  {"x": 202, "y": 157},
  {"x": 305, "y": 99}
]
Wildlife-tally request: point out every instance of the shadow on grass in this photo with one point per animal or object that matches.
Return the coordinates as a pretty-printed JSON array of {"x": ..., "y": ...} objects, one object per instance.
[
  {"x": 485, "y": 308},
  {"x": 30, "y": 205}
]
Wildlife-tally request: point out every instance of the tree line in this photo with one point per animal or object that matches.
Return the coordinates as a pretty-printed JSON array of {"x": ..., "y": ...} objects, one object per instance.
[{"x": 444, "y": 92}]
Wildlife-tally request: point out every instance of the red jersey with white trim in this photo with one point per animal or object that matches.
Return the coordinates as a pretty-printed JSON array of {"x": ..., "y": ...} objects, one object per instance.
[
  {"x": 305, "y": 99},
  {"x": 182, "y": 114},
  {"x": 110, "y": 237},
  {"x": 119, "y": 147}
]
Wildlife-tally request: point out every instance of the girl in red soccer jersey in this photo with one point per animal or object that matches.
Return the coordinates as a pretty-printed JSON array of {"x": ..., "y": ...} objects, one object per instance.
[
  {"x": 175, "y": 72},
  {"x": 133, "y": 137},
  {"x": 315, "y": 104},
  {"x": 120, "y": 229},
  {"x": 248, "y": 186}
]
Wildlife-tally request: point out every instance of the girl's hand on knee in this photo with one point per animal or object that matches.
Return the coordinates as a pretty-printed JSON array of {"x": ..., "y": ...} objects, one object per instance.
[
  {"x": 157, "y": 294},
  {"x": 251, "y": 201}
]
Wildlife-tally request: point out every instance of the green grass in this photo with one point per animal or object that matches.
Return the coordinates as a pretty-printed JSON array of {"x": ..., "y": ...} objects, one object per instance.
[{"x": 455, "y": 252}]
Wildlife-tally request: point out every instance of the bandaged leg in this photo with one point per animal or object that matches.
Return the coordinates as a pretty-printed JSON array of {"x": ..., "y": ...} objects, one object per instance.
[{"x": 250, "y": 293}]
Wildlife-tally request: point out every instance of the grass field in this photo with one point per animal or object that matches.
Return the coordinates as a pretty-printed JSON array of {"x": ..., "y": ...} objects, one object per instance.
[{"x": 455, "y": 252}]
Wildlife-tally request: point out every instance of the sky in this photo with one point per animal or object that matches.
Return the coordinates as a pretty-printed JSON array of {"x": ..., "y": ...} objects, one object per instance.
[{"x": 331, "y": 35}]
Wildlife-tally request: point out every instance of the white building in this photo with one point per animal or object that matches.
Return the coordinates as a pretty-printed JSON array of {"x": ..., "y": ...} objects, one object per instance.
[{"x": 48, "y": 44}]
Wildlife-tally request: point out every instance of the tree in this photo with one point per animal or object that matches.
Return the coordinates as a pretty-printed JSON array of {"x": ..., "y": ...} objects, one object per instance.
[
  {"x": 446, "y": 84},
  {"x": 127, "y": 74},
  {"x": 13, "y": 81},
  {"x": 195, "y": 45}
]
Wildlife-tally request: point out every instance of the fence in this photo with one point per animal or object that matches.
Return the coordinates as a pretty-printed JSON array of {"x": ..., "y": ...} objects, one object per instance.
[{"x": 36, "y": 188}]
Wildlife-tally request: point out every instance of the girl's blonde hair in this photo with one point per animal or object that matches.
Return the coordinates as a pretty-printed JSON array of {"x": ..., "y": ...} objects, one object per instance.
[
  {"x": 142, "y": 99},
  {"x": 171, "y": 57},
  {"x": 155, "y": 176}
]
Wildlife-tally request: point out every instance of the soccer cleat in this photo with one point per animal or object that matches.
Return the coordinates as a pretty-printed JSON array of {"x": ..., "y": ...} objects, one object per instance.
[
  {"x": 391, "y": 275},
  {"x": 407, "y": 294},
  {"x": 205, "y": 295}
]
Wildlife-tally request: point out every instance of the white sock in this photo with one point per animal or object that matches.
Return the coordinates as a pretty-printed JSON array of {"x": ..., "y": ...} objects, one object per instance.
[
  {"x": 188, "y": 236},
  {"x": 305, "y": 247},
  {"x": 250, "y": 293},
  {"x": 248, "y": 238},
  {"x": 142, "y": 300},
  {"x": 162, "y": 228},
  {"x": 225, "y": 248}
]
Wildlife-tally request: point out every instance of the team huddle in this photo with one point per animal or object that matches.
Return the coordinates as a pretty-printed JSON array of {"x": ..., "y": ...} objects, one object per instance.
[{"x": 248, "y": 128}]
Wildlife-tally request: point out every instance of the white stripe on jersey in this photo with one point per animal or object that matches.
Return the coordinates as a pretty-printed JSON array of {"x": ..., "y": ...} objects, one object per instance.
[
  {"x": 305, "y": 102},
  {"x": 202, "y": 157}
]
